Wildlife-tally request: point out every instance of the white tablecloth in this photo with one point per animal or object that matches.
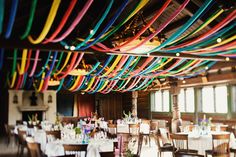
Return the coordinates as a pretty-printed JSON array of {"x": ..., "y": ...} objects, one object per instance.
[
  {"x": 204, "y": 142},
  {"x": 94, "y": 147}
]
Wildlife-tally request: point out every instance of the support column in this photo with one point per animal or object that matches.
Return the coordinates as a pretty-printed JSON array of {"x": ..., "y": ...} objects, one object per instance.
[
  {"x": 134, "y": 103},
  {"x": 176, "y": 117}
]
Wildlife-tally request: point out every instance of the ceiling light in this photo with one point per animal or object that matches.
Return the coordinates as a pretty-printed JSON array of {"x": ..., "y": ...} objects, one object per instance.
[
  {"x": 218, "y": 40},
  {"x": 82, "y": 93},
  {"x": 227, "y": 58},
  {"x": 77, "y": 72},
  {"x": 148, "y": 46},
  {"x": 52, "y": 82},
  {"x": 66, "y": 47},
  {"x": 72, "y": 48},
  {"x": 91, "y": 31},
  {"x": 177, "y": 54},
  {"x": 206, "y": 68},
  {"x": 183, "y": 81}
]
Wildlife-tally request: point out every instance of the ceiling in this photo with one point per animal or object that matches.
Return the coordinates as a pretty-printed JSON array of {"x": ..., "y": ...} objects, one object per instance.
[{"x": 83, "y": 45}]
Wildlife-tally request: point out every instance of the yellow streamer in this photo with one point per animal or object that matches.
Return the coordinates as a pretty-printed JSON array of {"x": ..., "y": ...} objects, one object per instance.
[
  {"x": 13, "y": 80},
  {"x": 65, "y": 63},
  {"x": 48, "y": 24},
  {"x": 223, "y": 42},
  {"x": 41, "y": 82},
  {"x": 113, "y": 65},
  {"x": 105, "y": 84},
  {"x": 200, "y": 28},
  {"x": 170, "y": 59},
  {"x": 76, "y": 82},
  {"x": 139, "y": 7},
  {"x": 23, "y": 62},
  {"x": 90, "y": 84}
]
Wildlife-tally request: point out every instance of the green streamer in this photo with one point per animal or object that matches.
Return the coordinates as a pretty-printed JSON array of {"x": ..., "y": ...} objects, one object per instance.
[
  {"x": 14, "y": 62},
  {"x": 1, "y": 15},
  {"x": 30, "y": 21},
  {"x": 58, "y": 63}
]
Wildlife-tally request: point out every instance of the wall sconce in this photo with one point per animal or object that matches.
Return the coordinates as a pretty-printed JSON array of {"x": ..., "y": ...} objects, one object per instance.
[
  {"x": 15, "y": 99},
  {"x": 49, "y": 99}
]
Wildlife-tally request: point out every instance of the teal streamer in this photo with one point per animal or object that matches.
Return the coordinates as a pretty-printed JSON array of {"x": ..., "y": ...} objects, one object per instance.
[
  {"x": 132, "y": 68},
  {"x": 44, "y": 67},
  {"x": 94, "y": 68},
  {"x": 184, "y": 27},
  {"x": 141, "y": 85},
  {"x": 1, "y": 14},
  {"x": 126, "y": 66},
  {"x": 105, "y": 65},
  {"x": 100, "y": 84},
  {"x": 60, "y": 85}
]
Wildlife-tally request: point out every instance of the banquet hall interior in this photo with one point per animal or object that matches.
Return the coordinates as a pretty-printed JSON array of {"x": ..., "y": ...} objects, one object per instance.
[{"x": 118, "y": 78}]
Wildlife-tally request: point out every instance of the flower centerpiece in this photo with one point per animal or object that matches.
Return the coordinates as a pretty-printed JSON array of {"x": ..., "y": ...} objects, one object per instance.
[
  {"x": 33, "y": 120},
  {"x": 129, "y": 118},
  {"x": 205, "y": 124}
]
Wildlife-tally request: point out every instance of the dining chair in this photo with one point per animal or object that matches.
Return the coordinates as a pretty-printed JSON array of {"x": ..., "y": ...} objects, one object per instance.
[
  {"x": 163, "y": 142},
  {"x": 134, "y": 129},
  {"x": 9, "y": 133},
  {"x": 110, "y": 153},
  {"x": 177, "y": 154},
  {"x": 112, "y": 131},
  {"x": 72, "y": 150},
  {"x": 34, "y": 149},
  {"x": 145, "y": 124},
  {"x": 22, "y": 142},
  {"x": 180, "y": 144},
  {"x": 55, "y": 134},
  {"x": 123, "y": 139},
  {"x": 140, "y": 144},
  {"x": 220, "y": 145}
]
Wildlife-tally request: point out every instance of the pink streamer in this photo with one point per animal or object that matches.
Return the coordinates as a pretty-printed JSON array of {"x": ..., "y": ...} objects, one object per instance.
[
  {"x": 35, "y": 63},
  {"x": 75, "y": 22}
]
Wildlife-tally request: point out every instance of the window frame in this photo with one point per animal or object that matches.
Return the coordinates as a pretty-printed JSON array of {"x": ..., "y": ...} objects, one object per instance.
[
  {"x": 162, "y": 102},
  {"x": 185, "y": 101},
  {"x": 214, "y": 100}
]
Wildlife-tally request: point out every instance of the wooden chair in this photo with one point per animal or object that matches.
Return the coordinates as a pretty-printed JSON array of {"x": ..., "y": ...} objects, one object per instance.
[
  {"x": 187, "y": 155},
  {"x": 163, "y": 142},
  {"x": 22, "y": 142},
  {"x": 55, "y": 134},
  {"x": 220, "y": 146},
  {"x": 72, "y": 150},
  {"x": 134, "y": 129},
  {"x": 9, "y": 133},
  {"x": 34, "y": 149},
  {"x": 180, "y": 144},
  {"x": 140, "y": 144},
  {"x": 146, "y": 135},
  {"x": 112, "y": 131},
  {"x": 111, "y": 153},
  {"x": 124, "y": 139}
]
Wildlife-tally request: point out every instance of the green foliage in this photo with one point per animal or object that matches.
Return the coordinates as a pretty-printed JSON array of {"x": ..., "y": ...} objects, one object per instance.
[{"x": 77, "y": 130}]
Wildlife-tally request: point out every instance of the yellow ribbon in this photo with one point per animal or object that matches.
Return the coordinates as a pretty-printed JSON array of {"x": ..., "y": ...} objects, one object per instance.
[
  {"x": 41, "y": 82},
  {"x": 105, "y": 84},
  {"x": 76, "y": 82},
  {"x": 203, "y": 26},
  {"x": 23, "y": 62},
  {"x": 113, "y": 65},
  {"x": 13, "y": 80},
  {"x": 139, "y": 7},
  {"x": 90, "y": 84},
  {"x": 170, "y": 59},
  {"x": 65, "y": 63},
  {"x": 48, "y": 24}
]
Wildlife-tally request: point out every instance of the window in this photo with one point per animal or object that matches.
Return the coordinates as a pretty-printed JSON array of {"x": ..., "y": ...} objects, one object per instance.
[
  {"x": 160, "y": 101},
  {"x": 214, "y": 99},
  {"x": 186, "y": 100}
]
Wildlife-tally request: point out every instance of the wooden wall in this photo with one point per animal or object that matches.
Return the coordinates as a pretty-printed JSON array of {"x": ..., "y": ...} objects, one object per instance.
[
  {"x": 144, "y": 110},
  {"x": 110, "y": 105}
]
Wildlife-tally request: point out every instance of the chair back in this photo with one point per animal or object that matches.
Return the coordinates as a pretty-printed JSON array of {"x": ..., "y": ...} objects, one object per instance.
[
  {"x": 164, "y": 136},
  {"x": 75, "y": 149},
  {"x": 154, "y": 126},
  {"x": 108, "y": 154},
  {"x": 112, "y": 128},
  {"x": 180, "y": 141},
  {"x": 56, "y": 134},
  {"x": 124, "y": 139},
  {"x": 21, "y": 137},
  {"x": 34, "y": 149},
  {"x": 220, "y": 143},
  {"x": 140, "y": 144},
  {"x": 134, "y": 129}
]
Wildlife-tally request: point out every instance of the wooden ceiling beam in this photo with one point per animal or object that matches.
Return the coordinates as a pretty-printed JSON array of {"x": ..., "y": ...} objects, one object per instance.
[{"x": 11, "y": 44}]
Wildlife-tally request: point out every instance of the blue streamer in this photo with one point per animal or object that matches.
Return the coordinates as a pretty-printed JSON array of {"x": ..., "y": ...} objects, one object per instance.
[
  {"x": 94, "y": 68},
  {"x": 52, "y": 66},
  {"x": 60, "y": 85},
  {"x": 101, "y": 82},
  {"x": 44, "y": 67},
  {"x": 12, "y": 18},
  {"x": 108, "y": 25},
  {"x": 105, "y": 65},
  {"x": 184, "y": 27},
  {"x": 1, "y": 57}
]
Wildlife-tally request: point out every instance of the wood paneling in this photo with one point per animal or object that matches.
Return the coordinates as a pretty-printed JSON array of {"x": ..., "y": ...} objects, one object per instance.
[
  {"x": 143, "y": 105},
  {"x": 110, "y": 105},
  {"x": 85, "y": 104}
]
